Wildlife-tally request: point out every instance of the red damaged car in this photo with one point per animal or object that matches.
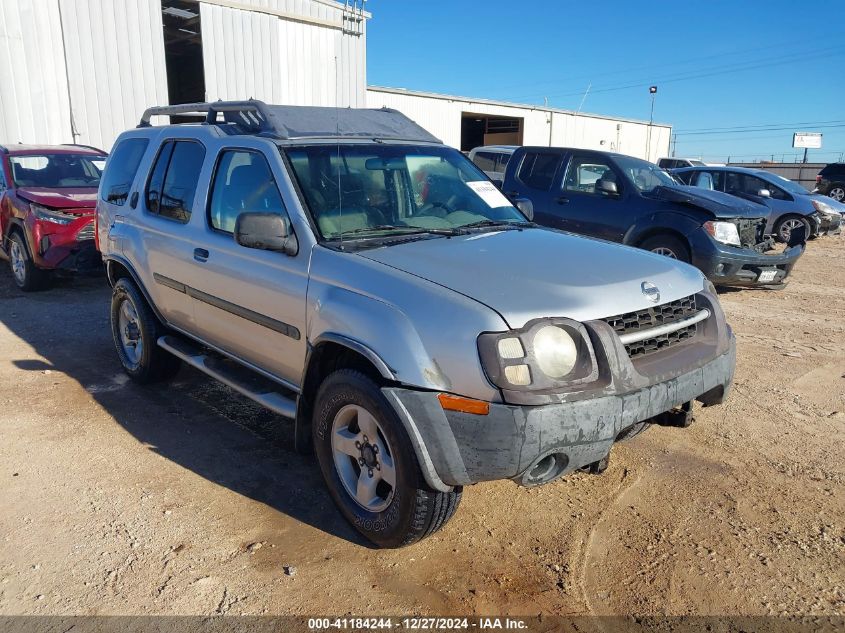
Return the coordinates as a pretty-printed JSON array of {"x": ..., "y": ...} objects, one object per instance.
[{"x": 47, "y": 200}]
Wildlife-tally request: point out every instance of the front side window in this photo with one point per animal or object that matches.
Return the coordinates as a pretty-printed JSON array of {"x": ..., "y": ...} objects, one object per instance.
[
  {"x": 173, "y": 183},
  {"x": 122, "y": 167},
  {"x": 538, "y": 170},
  {"x": 361, "y": 190},
  {"x": 56, "y": 171},
  {"x": 243, "y": 183},
  {"x": 584, "y": 172},
  {"x": 645, "y": 176}
]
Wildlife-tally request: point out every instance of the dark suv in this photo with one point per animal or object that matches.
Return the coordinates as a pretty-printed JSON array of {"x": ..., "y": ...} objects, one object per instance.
[
  {"x": 47, "y": 200},
  {"x": 628, "y": 200},
  {"x": 831, "y": 181}
]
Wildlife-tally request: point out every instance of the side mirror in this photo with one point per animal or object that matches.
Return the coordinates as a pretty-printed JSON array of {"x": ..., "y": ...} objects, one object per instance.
[
  {"x": 266, "y": 231},
  {"x": 526, "y": 207},
  {"x": 607, "y": 186},
  {"x": 764, "y": 193}
]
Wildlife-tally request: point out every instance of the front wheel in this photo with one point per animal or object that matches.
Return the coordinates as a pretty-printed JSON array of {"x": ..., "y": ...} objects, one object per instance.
[
  {"x": 668, "y": 246},
  {"x": 369, "y": 464},
  {"x": 785, "y": 225},
  {"x": 27, "y": 276},
  {"x": 135, "y": 330}
]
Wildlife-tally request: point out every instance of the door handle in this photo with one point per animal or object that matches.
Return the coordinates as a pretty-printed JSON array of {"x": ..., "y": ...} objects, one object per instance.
[
  {"x": 561, "y": 200},
  {"x": 200, "y": 254}
]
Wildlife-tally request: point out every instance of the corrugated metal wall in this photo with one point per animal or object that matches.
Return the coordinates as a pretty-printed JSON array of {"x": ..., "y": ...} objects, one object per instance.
[
  {"x": 261, "y": 54},
  {"x": 33, "y": 83},
  {"x": 73, "y": 66},
  {"x": 441, "y": 115}
]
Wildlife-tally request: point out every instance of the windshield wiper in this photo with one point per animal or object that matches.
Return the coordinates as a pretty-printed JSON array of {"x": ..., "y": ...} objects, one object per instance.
[
  {"x": 508, "y": 223},
  {"x": 398, "y": 229}
]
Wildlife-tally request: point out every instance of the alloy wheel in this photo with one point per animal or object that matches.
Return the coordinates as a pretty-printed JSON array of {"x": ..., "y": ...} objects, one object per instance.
[
  {"x": 363, "y": 458},
  {"x": 837, "y": 193},
  {"x": 787, "y": 226},
  {"x": 665, "y": 251},
  {"x": 17, "y": 258},
  {"x": 129, "y": 328}
]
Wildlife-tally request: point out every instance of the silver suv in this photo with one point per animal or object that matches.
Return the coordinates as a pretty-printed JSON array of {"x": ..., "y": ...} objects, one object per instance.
[{"x": 347, "y": 270}]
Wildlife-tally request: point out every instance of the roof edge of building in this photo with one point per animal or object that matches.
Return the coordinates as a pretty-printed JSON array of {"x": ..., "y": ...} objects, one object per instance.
[{"x": 510, "y": 104}]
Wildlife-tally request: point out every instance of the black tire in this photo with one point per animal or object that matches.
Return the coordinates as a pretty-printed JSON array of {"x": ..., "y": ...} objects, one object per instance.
[
  {"x": 782, "y": 232},
  {"x": 29, "y": 277},
  {"x": 415, "y": 511},
  {"x": 662, "y": 243},
  {"x": 153, "y": 364}
]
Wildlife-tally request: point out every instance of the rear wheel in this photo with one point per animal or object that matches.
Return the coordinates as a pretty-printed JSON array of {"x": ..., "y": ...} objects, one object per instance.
[
  {"x": 788, "y": 223},
  {"x": 370, "y": 466},
  {"x": 837, "y": 192},
  {"x": 669, "y": 246},
  {"x": 135, "y": 330},
  {"x": 27, "y": 276}
]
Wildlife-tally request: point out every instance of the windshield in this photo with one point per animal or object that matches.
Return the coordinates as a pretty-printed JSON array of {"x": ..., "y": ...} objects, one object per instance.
[
  {"x": 56, "y": 171},
  {"x": 367, "y": 190},
  {"x": 789, "y": 185},
  {"x": 645, "y": 176}
]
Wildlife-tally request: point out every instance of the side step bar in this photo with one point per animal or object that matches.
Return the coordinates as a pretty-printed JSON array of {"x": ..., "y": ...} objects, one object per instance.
[{"x": 262, "y": 390}]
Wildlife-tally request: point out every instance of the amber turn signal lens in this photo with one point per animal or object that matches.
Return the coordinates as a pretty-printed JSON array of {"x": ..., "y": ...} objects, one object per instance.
[{"x": 464, "y": 405}]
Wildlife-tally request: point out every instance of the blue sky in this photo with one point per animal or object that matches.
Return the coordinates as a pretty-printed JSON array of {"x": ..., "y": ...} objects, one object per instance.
[{"x": 717, "y": 64}]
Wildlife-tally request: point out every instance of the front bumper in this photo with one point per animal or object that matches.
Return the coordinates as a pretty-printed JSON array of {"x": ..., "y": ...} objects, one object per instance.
[
  {"x": 67, "y": 248},
  {"x": 456, "y": 449},
  {"x": 733, "y": 266}
]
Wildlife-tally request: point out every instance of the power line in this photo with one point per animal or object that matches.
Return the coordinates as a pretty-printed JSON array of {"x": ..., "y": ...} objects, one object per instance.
[
  {"x": 762, "y": 129},
  {"x": 711, "y": 73},
  {"x": 759, "y": 127}
]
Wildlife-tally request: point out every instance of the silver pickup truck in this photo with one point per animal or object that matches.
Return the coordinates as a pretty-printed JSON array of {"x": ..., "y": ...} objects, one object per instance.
[{"x": 347, "y": 270}]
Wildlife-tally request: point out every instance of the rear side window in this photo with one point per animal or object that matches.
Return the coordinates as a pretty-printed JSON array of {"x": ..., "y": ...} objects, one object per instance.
[
  {"x": 486, "y": 161},
  {"x": 538, "y": 170},
  {"x": 123, "y": 165},
  {"x": 243, "y": 183},
  {"x": 173, "y": 183}
]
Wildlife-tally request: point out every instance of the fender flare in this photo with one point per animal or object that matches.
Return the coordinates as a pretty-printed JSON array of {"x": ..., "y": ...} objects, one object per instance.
[{"x": 135, "y": 278}]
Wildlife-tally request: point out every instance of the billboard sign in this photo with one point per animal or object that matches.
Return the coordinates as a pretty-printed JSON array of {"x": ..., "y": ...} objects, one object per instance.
[{"x": 811, "y": 140}]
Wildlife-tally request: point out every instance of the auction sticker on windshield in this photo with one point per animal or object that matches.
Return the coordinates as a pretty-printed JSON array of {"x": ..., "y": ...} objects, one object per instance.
[{"x": 488, "y": 192}]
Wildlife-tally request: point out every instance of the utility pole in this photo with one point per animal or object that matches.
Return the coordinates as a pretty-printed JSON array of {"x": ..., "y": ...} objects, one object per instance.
[
  {"x": 653, "y": 92},
  {"x": 805, "y": 155}
]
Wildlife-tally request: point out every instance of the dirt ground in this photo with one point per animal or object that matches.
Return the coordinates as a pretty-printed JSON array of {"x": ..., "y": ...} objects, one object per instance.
[{"x": 119, "y": 499}]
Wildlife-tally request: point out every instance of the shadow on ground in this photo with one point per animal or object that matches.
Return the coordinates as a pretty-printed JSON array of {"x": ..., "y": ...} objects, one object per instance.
[{"x": 195, "y": 422}]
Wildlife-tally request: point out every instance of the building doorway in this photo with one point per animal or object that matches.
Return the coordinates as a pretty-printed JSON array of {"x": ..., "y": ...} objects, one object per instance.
[
  {"x": 484, "y": 129},
  {"x": 183, "y": 51}
]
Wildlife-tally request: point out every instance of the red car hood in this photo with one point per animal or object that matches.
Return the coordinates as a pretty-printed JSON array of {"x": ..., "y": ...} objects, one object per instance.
[{"x": 69, "y": 198}]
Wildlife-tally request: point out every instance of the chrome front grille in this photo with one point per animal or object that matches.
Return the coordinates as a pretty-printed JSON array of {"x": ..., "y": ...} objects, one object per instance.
[
  {"x": 86, "y": 232},
  {"x": 667, "y": 313}
]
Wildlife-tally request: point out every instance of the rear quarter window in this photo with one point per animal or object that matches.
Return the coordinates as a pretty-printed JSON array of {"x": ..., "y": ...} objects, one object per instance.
[
  {"x": 121, "y": 170},
  {"x": 538, "y": 170}
]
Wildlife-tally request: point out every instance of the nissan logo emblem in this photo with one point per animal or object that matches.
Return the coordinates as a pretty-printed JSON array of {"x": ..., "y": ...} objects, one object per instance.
[{"x": 651, "y": 291}]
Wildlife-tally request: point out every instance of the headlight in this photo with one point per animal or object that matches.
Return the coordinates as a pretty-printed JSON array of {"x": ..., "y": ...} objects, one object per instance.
[
  {"x": 555, "y": 351},
  {"x": 546, "y": 354},
  {"x": 52, "y": 215},
  {"x": 724, "y": 232},
  {"x": 823, "y": 208}
]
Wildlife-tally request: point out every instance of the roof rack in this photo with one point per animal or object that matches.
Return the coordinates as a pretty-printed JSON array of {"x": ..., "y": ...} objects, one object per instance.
[
  {"x": 286, "y": 122},
  {"x": 252, "y": 114},
  {"x": 4, "y": 149}
]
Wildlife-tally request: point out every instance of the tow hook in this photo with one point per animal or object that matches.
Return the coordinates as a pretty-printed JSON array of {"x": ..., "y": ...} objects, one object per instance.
[
  {"x": 680, "y": 417},
  {"x": 597, "y": 468}
]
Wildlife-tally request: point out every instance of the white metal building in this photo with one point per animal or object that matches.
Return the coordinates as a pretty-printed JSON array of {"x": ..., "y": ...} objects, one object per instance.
[
  {"x": 465, "y": 123},
  {"x": 84, "y": 70}
]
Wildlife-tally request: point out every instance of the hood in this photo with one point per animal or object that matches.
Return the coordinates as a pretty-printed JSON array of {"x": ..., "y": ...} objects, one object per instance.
[
  {"x": 719, "y": 204},
  {"x": 535, "y": 272},
  {"x": 64, "y": 198}
]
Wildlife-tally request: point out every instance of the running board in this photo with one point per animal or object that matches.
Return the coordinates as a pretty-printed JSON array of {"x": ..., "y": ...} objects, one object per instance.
[{"x": 232, "y": 374}]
